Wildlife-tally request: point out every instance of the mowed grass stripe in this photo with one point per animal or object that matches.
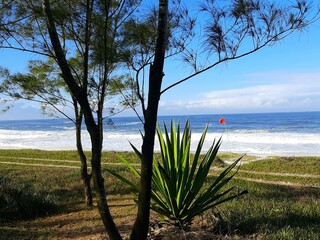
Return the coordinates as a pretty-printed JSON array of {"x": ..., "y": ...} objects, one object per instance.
[
  {"x": 281, "y": 174},
  {"x": 72, "y": 162},
  {"x": 294, "y": 165},
  {"x": 39, "y": 165},
  {"x": 219, "y": 170},
  {"x": 61, "y": 160},
  {"x": 259, "y": 176},
  {"x": 43, "y": 162},
  {"x": 40, "y": 159},
  {"x": 278, "y": 182},
  {"x": 291, "y": 180},
  {"x": 305, "y": 183}
]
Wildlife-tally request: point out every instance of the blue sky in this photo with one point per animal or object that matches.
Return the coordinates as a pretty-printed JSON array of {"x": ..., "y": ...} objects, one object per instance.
[{"x": 281, "y": 78}]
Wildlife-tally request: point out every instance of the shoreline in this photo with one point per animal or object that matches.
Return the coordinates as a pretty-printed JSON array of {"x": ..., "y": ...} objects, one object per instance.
[
  {"x": 270, "y": 135},
  {"x": 222, "y": 152}
]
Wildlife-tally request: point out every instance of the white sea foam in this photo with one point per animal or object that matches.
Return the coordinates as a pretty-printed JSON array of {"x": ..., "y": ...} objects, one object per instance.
[
  {"x": 257, "y": 143},
  {"x": 131, "y": 123},
  {"x": 266, "y": 143}
]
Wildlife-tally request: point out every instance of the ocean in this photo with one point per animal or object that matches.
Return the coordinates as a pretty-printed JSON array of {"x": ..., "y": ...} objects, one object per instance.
[{"x": 261, "y": 134}]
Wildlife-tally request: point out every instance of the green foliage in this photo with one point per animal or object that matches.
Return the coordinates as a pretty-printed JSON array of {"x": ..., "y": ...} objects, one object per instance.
[
  {"x": 23, "y": 201},
  {"x": 178, "y": 181}
]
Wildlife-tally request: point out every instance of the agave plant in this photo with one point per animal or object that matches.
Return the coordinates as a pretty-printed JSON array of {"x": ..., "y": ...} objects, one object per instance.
[{"x": 179, "y": 191}]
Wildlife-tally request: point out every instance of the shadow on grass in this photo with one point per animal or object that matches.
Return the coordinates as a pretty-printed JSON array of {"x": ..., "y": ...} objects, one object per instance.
[
  {"x": 68, "y": 195},
  {"x": 272, "y": 191},
  {"x": 28, "y": 234},
  {"x": 271, "y": 208},
  {"x": 16, "y": 233},
  {"x": 292, "y": 220},
  {"x": 81, "y": 223}
]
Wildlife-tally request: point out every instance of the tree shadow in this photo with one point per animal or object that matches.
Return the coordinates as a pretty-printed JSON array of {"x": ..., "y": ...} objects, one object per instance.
[
  {"x": 293, "y": 220},
  {"x": 15, "y": 233}
]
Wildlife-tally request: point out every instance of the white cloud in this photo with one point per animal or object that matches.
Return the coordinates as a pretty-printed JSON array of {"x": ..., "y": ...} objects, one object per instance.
[{"x": 280, "y": 91}]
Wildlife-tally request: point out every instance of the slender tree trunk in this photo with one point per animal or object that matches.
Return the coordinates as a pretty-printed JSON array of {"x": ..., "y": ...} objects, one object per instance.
[
  {"x": 85, "y": 176},
  {"x": 141, "y": 225},
  {"x": 94, "y": 130},
  {"x": 98, "y": 182}
]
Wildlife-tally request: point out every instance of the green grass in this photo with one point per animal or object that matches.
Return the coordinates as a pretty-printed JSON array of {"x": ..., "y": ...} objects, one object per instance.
[
  {"x": 60, "y": 155},
  {"x": 68, "y": 155},
  {"x": 23, "y": 201},
  {"x": 299, "y": 165},
  {"x": 277, "y": 212},
  {"x": 299, "y": 180},
  {"x": 269, "y": 210},
  {"x": 14, "y": 233},
  {"x": 233, "y": 156}
]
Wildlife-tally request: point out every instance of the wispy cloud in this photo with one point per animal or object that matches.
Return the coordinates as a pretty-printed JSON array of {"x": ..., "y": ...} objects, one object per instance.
[{"x": 279, "y": 91}]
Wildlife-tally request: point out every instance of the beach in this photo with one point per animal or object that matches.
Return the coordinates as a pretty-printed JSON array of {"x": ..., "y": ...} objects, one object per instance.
[{"x": 281, "y": 134}]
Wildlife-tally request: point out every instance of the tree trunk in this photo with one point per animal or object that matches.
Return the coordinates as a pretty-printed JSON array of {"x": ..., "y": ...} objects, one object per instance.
[
  {"x": 94, "y": 130},
  {"x": 86, "y": 180},
  {"x": 85, "y": 176},
  {"x": 98, "y": 182},
  {"x": 141, "y": 225}
]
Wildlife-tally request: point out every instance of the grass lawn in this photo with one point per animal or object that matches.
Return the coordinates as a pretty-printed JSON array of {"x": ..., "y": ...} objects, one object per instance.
[{"x": 283, "y": 200}]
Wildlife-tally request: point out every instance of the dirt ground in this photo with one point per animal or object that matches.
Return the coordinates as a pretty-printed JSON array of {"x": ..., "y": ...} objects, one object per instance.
[
  {"x": 83, "y": 223},
  {"x": 78, "y": 222}
]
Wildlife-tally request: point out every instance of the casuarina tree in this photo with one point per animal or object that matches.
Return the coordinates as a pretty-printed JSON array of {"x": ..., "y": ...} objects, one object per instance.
[{"x": 226, "y": 30}]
